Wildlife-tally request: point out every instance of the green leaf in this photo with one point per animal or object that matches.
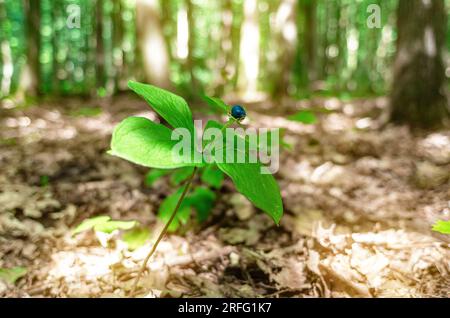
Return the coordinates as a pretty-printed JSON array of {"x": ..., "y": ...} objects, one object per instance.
[
  {"x": 146, "y": 143},
  {"x": 305, "y": 117},
  {"x": 171, "y": 107},
  {"x": 11, "y": 275},
  {"x": 103, "y": 224},
  {"x": 261, "y": 189},
  {"x": 136, "y": 238},
  {"x": 442, "y": 227},
  {"x": 111, "y": 226},
  {"x": 181, "y": 175},
  {"x": 202, "y": 200},
  {"x": 90, "y": 223},
  {"x": 217, "y": 104},
  {"x": 213, "y": 176},
  {"x": 153, "y": 175},
  {"x": 168, "y": 206}
]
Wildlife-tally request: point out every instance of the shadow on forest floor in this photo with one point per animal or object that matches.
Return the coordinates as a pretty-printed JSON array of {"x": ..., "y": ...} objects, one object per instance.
[{"x": 359, "y": 204}]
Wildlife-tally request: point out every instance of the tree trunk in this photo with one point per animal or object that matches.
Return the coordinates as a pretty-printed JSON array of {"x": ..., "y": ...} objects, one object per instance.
[
  {"x": 418, "y": 95},
  {"x": 30, "y": 79},
  {"x": 286, "y": 39},
  {"x": 249, "y": 50},
  {"x": 100, "y": 51},
  {"x": 151, "y": 42},
  {"x": 309, "y": 8}
]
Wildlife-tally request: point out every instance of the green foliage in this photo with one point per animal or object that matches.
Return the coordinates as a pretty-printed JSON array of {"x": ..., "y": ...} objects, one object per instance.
[
  {"x": 136, "y": 238},
  {"x": 155, "y": 174},
  {"x": 144, "y": 142},
  {"x": 171, "y": 107},
  {"x": 216, "y": 104},
  {"x": 111, "y": 226},
  {"x": 261, "y": 189},
  {"x": 44, "y": 181},
  {"x": 305, "y": 117},
  {"x": 141, "y": 141},
  {"x": 213, "y": 176},
  {"x": 90, "y": 223},
  {"x": 11, "y": 275},
  {"x": 442, "y": 227},
  {"x": 103, "y": 224},
  {"x": 202, "y": 200},
  {"x": 181, "y": 175},
  {"x": 168, "y": 206}
]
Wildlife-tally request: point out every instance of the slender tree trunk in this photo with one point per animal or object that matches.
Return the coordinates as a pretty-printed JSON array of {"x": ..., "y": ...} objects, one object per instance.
[
  {"x": 118, "y": 59},
  {"x": 418, "y": 94},
  {"x": 30, "y": 79},
  {"x": 249, "y": 51},
  {"x": 151, "y": 43},
  {"x": 286, "y": 34},
  {"x": 310, "y": 7},
  {"x": 55, "y": 64},
  {"x": 236, "y": 40},
  {"x": 190, "y": 60},
  {"x": 100, "y": 50},
  {"x": 224, "y": 66}
]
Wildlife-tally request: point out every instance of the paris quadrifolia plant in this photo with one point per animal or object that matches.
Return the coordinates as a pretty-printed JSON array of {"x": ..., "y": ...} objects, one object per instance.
[{"x": 154, "y": 145}]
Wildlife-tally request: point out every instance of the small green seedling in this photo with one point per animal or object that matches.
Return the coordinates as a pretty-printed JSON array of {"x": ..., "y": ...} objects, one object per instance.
[
  {"x": 11, "y": 275},
  {"x": 134, "y": 236},
  {"x": 149, "y": 144},
  {"x": 442, "y": 227}
]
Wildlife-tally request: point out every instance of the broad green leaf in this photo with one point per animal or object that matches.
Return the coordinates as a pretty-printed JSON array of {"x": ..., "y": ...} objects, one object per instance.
[
  {"x": 155, "y": 174},
  {"x": 181, "y": 175},
  {"x": 442, "y": 227},
  {"x": 136, "y": 238},
  {"x": 261, "y": 189},
  {"x": 111, "y": 226},
  {"x": 202, "y": 200},
  {"x": 171, "y": 107},
  {"x": 213, "y": 176},
  {"x": 305, "y": 117},
  {"x": 90, "y": 223},
  {"x": 146, "y": 143},
  {"x": 11, "y": 275},
  {"x": 217, "y": 104},
  {"x": 168, "y": 206}
]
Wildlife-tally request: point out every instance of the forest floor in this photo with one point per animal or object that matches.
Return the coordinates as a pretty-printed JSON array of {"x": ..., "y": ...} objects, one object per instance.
[{"x": 360, "y": 198}]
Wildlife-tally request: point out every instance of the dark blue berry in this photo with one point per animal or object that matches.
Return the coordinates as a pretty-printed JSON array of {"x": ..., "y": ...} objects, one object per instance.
[{"x": 238, "y": 112}]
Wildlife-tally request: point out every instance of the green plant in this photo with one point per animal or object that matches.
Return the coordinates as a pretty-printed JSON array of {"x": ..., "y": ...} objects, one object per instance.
[
  {"x": 146, "y": 143},
  {"x": 11, "y": 275},
  {"x": 442, "y": 227},
  {"x": 201, "y": 199},
  {"x": 103, "y": 224},
  {"x": 305, "y": 116},
  {"x": 133, "y": 236}
]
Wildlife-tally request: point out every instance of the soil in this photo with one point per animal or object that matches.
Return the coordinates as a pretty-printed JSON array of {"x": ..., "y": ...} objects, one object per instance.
[{"x": 360, "y": 197}]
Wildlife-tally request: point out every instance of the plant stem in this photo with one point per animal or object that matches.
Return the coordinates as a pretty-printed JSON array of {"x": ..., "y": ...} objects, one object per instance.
[{"x": 163, "y": 232}]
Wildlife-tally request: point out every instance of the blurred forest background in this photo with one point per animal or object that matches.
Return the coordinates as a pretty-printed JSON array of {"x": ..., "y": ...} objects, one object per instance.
[
  {"x": 359, "y": 89},
  {"x": 277, "y": 48}
]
